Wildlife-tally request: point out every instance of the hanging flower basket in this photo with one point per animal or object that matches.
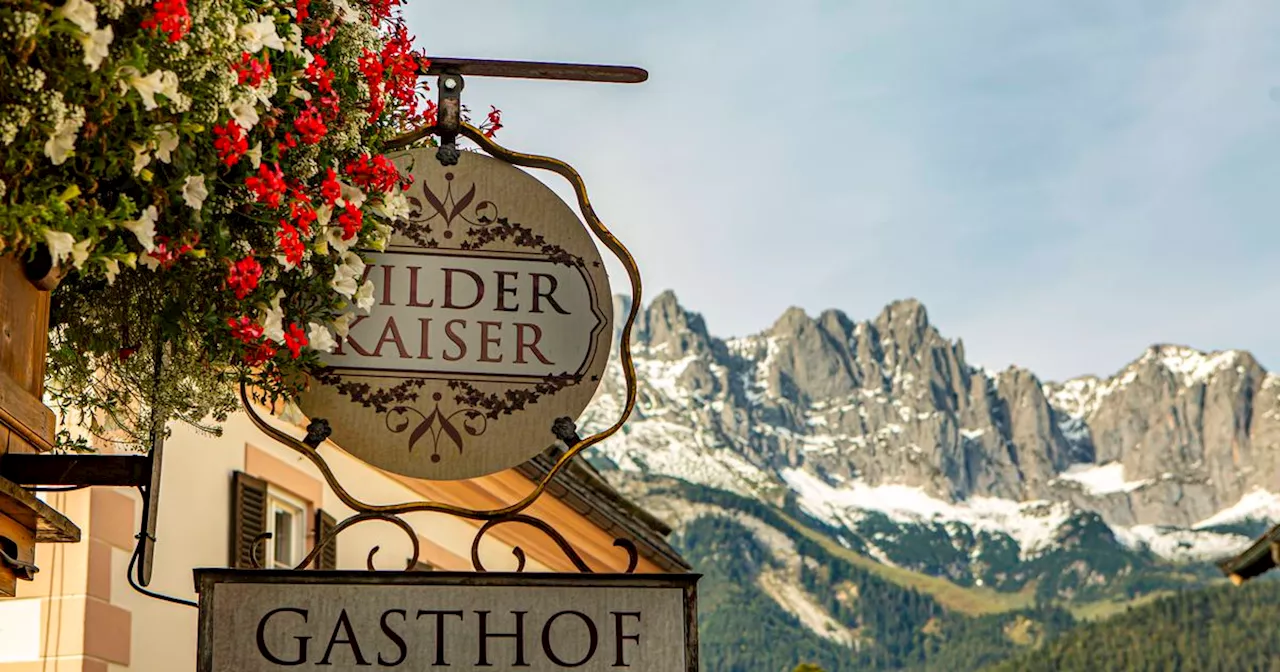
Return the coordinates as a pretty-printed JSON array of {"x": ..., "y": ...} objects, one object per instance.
[{"x": 205, "y": 171}]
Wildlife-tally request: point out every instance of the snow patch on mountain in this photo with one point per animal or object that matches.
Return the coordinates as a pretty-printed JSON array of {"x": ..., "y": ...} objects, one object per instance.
[
  {"x": 1030, "y": 524},
  {"x": 1257, "y": 504},
  {"x": 1101, "y": 479},
  {"x": 1181, "y": 545}
]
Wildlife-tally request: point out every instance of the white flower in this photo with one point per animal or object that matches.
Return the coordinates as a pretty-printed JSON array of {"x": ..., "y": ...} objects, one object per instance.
[
  {"x": 80, "y": 252},
  {"x": 147, "y": 87},
  {"x": 291, "y": 413},
  {"x": 59, "y": 145},
  {"x": 169, "y": 84},
  {"x": 166, "y": 141},
  {"x": 346, "y": 276},
  {"x": 194, "y": 191},
  {"x": 244, "y": 113},
  {"x": 381, "y": 237},
  {"x": 352, "y": 264},
  {"x": 293, "y": 41},
  {"x": 300, "y": 94},
  {"x": 342, "y": 325},
  {"x": 320, "y": 338},
  {"x": 364, "y": 296},
  {"x": 255, "y": 155},
  {"x": 144, "y": 229},
  {"x": 259, "y": 34},
  {"x": 81, "y": 13},
  {"x": 112, "y": 268},
  {"x": 351, "y": 194},
  {"x": 393, "y": 205},
  {"x": 140, "y": 157},
  {"x": 96, "y": 45},
  {"x": 60, "y": 244},
  {"x": 348, "y": 13},
  {"x": 333, "y": 236},
  {"x": 273, "y": 319}
]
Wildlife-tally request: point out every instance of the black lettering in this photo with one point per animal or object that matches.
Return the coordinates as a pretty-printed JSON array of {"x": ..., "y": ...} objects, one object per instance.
[
  {"x": 457, "y": 340},
  {"x": 302, "y": 641},
  {"x": 521, "y": 344},
  {"x": 439, "y": 631},
  {"x": 621, "y": 660},
  {"x": 394, "y": 637},
  {"x": 485, "y": 636},
  {"x": 344, "y": 624},
  {"x": 503, "y": 290},
  {"x": 448, "y": 288},
  {"x": 537, "y": 293},
  {"x": 394, "y": 332},
  {"x": 593, "y": 639},
  {"x": 485, "y": 341},
  {"x": 413, "y": 289}
]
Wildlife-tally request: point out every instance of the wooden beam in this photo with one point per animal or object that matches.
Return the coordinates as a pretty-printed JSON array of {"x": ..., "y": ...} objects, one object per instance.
[{"x": 112, "y": 470}]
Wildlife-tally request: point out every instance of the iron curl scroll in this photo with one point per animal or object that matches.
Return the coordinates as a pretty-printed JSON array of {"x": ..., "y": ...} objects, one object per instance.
[
  {"x": 332, "y": 536},
  {"x": 633, "y": 554},
  {"x": 511, "y": 513}
]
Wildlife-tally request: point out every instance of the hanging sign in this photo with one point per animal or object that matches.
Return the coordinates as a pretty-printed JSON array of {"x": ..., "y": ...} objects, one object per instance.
[
  {"x": 267, "y": 621},
  {"x": 492, "y": 318}
]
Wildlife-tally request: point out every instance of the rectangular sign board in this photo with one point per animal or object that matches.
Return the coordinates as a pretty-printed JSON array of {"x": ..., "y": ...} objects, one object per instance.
[{"x": 274, "y": 620}]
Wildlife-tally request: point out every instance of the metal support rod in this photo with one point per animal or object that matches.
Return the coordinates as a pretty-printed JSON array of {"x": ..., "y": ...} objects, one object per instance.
[{"x": 449, "y": 117}]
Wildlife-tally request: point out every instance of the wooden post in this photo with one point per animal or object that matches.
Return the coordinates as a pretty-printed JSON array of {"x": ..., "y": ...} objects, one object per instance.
[{"x": 26, "y": 424}]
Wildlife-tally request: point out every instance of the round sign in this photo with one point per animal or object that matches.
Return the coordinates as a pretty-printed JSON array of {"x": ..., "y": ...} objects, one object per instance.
[{"x": 492, "y": 319}]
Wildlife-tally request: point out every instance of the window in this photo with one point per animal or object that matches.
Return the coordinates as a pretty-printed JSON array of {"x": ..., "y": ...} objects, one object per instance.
[{"x": 286, "y": 521}]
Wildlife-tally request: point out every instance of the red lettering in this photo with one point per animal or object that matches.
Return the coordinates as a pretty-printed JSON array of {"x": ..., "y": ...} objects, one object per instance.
[
  {"x": 448, "y": 288},
  {"x": 457, "y": 340},
  {"x": 413, "y": 289},
  {"x": 354, "y": 346},
  {"x": 521, "y": 344},
  {"x": 394, "y": 332},
  {"x": 537, "y": 293},
  {"x": 503, "y": 290},
  {"x": 485, "y": 340},
  {"x": 426, "y": 337},
  {"x": 386, "y": 285}
]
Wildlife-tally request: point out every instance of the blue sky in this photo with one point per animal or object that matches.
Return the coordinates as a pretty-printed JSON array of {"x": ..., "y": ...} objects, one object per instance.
[{"x": 1061, "y": 183}]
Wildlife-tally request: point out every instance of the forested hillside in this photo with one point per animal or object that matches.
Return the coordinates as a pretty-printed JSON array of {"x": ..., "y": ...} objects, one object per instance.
[{"x": 1224, "y": 628}]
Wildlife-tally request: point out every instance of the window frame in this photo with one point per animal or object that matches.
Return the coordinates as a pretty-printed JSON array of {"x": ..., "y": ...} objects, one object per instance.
[{"x": 279, "y": 500}]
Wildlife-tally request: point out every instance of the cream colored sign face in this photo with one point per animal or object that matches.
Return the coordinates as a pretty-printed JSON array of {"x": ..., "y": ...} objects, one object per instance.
[
  {"x": 492, "y": 319},
  {"x": 527, "y": 623}
]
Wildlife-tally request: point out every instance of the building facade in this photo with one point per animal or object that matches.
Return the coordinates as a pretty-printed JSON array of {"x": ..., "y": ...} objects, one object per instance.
[{"x": 219, "y": 494}]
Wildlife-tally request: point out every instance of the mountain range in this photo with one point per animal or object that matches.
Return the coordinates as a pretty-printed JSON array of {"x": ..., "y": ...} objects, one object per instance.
[{"x": 988, "y": 494}]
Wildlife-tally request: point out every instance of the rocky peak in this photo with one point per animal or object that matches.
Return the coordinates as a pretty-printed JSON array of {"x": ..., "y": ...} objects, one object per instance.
[{"x": 669, "y": 331}]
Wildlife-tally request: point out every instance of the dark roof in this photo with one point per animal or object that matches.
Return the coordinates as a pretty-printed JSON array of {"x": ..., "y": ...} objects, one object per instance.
[
  {"x": 1257, "y": 559},
  {"x": 583, "y": 488}
]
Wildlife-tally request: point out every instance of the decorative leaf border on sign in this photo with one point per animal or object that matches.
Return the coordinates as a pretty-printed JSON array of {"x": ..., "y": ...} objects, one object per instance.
[{"x": 485, "y": 228}]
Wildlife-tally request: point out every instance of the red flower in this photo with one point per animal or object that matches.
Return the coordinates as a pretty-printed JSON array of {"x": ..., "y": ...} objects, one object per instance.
[
  {"x": 377, "y": 173},
  {"x": 170, "y": 16},
  {"x": 268, "y": 186},
  {"x": 259, "y": 355},
  {"x": 324, "y": 35},
  {"x": 352, "y": 220},
  {"x": 320, "y": 75},
  {"x": 310, "y": 126},
  {"x": 303, "y": 9},
  {"x": 243, "y": 276},
  {"x": 244, "y": 329},
  {"x": 230, "y": 142},
  {"x": 494, "y": 123},
  {"x": 302, "y": 215},
  {"x": 381, "y": 9},
  {"x": 290, "y": 243},
  {"x": 294, "y": 339},
  {"x": 288, "y": 144},
  {"x": 252, "y": 71},
  {"x": 330, "y": 190},
  {"x": 168, "y": 256}
]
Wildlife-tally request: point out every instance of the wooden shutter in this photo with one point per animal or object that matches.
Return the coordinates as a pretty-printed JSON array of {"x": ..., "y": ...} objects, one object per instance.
[
  {"x": 328, "y": 557},
  {"x": 248, "y": 518}
]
